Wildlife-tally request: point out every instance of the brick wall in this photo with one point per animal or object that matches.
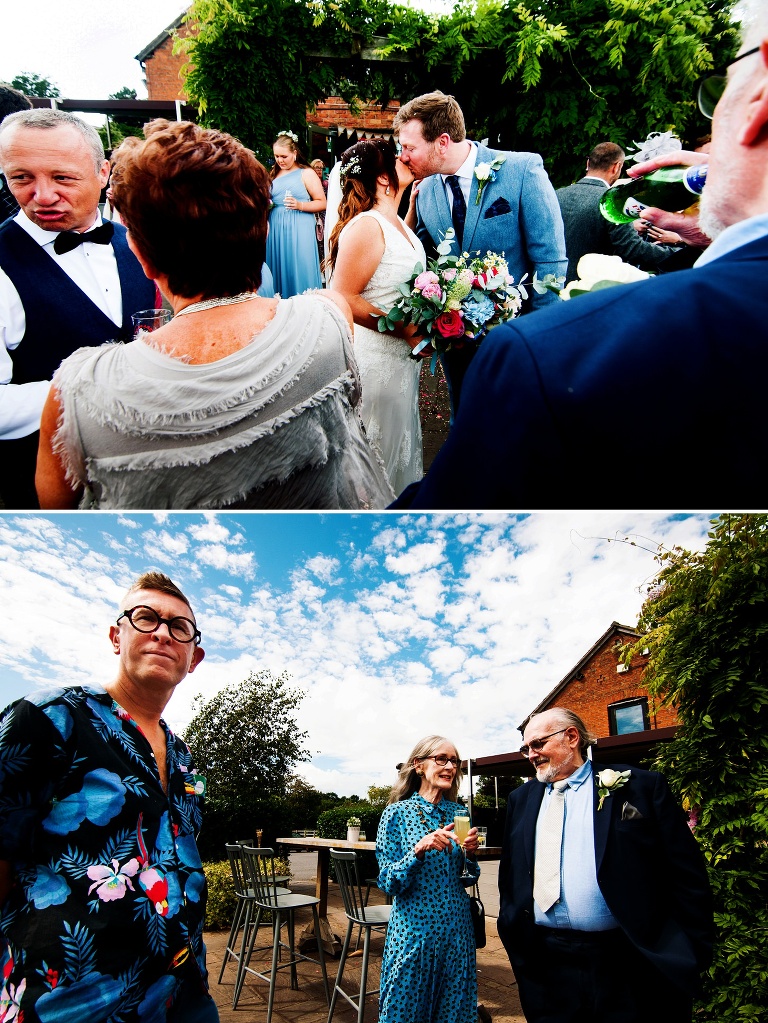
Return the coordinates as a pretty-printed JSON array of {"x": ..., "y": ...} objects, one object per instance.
[
  {"x": 163, "y": 70},
  {"x": 601, "y": 685},
  {"x": 335, "y": 112}
]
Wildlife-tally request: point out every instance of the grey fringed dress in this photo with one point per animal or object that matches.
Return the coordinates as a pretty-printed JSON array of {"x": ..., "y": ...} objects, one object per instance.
[{"x": 273, "y": 425}]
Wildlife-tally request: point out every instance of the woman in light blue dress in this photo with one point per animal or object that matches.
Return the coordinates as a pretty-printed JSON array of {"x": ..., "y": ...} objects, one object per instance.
[
  {"x": 428, "y": 972},
  {"x": 292, "y": 243}
]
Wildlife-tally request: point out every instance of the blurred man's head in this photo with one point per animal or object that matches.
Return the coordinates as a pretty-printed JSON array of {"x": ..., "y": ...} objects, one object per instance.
[
  {"x": 11, "y": 100},
  {"x": 737, "y": 179}
]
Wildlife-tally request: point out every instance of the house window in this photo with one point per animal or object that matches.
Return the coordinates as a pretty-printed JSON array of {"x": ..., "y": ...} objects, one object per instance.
[{"x": 628, "y": 716}]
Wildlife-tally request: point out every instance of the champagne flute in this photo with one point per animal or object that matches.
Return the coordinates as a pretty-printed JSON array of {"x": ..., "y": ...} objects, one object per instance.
[{"x": 461, "y": 824}]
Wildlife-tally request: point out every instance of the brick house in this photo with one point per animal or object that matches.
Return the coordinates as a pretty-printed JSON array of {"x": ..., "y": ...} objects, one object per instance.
[
  {"x": 612, "y": 701},
  {"x": 331, "y": 127}
]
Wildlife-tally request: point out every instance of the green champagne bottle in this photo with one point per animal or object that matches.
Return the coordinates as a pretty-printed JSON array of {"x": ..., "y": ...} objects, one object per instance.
[{"x": 669, "y": 188}]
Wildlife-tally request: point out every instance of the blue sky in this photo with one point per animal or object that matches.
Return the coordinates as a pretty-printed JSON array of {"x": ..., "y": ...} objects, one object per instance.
[{"x": 393, "y": 626}]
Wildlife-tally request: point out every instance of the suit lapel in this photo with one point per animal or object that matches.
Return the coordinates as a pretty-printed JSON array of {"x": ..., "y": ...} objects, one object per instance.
[
  {"x": 602, "y": 820},
  {"x": 473, "y": 209}
]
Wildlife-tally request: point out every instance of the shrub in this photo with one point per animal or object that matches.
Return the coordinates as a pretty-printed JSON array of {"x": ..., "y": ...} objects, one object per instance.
[
  {"x": 222, "y": 901},
  {"x": 333, "y": 824}
]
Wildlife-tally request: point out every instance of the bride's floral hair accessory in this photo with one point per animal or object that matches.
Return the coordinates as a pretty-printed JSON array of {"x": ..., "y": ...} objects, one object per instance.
[
  {"x": 289, "y": 135},
  {"x": 352, "y": 167}
]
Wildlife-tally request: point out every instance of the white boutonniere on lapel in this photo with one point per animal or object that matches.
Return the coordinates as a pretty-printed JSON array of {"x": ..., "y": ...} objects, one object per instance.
[
  {"x": 607, "y": 783},
  {"x": 485, "y": 172}
]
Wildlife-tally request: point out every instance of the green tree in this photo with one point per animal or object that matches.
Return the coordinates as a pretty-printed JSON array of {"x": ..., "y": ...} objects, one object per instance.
[
  {"x": 35, "y": 85},
  {"x": 378, "y": 795},
  {"x": 706, "y": 624},
  {"x": 246, "y": 740},
  {"x": 554, "y": 78}
]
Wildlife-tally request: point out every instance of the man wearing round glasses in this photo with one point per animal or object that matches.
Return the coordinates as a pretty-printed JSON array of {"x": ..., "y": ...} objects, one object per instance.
[
  {"x": 605, "y": 907},
  {"x": 101, "y": 885},
  {"x": 663, "y": 377}
]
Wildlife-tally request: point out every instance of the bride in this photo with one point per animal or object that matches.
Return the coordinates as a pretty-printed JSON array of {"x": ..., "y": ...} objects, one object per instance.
[{"x": 371, "y": 252}]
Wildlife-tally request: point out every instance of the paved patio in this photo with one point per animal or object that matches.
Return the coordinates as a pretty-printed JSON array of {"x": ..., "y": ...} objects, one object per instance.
[{"x": 496, "y": 984}]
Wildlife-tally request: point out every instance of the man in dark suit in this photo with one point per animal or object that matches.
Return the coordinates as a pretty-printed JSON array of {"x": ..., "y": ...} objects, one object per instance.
[
  {"x": 587, "y": 230},
  {"x": 495, "y": 201},
  {"x": 605, "y": 907},
  {"x": 648, "y": 394},
  {"x": 66, "y": 280}
]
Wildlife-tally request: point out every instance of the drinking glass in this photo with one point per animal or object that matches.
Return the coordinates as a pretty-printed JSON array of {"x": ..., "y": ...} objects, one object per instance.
[
  {"x": 148, "y": 320},
  {"x": 461, "y": 826}
]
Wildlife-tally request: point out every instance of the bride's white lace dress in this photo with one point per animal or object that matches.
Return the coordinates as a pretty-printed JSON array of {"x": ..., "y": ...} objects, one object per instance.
[{"x": 389, "y": 376}]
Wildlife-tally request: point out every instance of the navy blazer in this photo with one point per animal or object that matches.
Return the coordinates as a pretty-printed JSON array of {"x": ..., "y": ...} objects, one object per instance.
[
  {"x": 647, "y": 395},
  {"x": 518, "y": 214},
  {"x": 650, "y": 871}
]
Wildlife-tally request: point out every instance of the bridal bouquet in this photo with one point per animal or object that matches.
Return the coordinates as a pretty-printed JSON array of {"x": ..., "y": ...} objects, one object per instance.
[{"x": 457, "y": 299}]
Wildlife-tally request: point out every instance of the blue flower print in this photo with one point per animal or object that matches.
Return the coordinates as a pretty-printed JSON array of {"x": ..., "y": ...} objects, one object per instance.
[
  {"x": 94, "y": 997},
  {"x": 186, "y": 848},
  {"x": 154, "y": 1007},
  {"x": 60, "y": 718},
  {"x": 100, "y": 799},
  {"x": 195, "y": 886},
  {"x": 48, "y": 889}
]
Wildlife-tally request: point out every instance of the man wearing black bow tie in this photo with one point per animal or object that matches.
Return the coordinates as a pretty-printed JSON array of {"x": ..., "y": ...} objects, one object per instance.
[
  {"x": 66, "y": 280},
  {"x": 605, "y": 907}
]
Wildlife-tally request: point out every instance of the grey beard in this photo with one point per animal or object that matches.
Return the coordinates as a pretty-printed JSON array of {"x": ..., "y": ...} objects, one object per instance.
[
  {"x": 549, "y": 772},
  {"x": 709, "y": 222}
]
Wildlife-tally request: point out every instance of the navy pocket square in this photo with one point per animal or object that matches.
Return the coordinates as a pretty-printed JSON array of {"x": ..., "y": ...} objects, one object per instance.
[
  {"x": 630, "y": 813},
  {"x": 497, "y": 208}
]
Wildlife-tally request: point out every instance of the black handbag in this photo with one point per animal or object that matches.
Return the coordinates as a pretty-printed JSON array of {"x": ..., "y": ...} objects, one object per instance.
[{"x": 477, "y": 912}]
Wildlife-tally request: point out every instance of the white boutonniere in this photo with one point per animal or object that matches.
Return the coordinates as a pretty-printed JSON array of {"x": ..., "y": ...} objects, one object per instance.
[
  {"x": 607, "y": 783},
  {"x": 485, "y": 172}
]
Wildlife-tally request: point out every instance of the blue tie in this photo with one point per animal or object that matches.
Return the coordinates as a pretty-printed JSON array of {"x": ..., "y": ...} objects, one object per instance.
[{"x": 459, "y": 212}]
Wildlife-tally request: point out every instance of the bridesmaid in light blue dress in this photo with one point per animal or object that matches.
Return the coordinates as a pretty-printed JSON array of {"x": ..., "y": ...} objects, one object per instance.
[
  {"x": 428, "y": 971},
  {"x": 292, "y": 243}
]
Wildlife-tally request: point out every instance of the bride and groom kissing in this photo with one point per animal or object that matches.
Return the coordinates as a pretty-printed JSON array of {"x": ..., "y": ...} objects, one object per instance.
[{"x": 498, "y": 202}]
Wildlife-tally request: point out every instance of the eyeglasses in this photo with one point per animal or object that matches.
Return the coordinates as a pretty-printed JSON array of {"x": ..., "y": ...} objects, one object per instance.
[
  {"x": 712, "y": 86},
  {"x": 441, "y": 760},
  {"x": 538, "y": 744},
  {"x": 146, "y": 619}
]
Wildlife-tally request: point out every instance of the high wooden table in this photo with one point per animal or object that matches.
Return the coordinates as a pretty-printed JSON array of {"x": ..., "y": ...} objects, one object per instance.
[{"x": 323, "y": 846}]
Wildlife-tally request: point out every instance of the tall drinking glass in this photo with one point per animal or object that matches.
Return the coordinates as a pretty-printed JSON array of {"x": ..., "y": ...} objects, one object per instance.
[{"x": 461, "y": 826}]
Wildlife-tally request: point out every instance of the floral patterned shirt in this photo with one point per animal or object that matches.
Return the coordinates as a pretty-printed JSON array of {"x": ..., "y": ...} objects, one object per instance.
[{"x": 105, "y": 917}]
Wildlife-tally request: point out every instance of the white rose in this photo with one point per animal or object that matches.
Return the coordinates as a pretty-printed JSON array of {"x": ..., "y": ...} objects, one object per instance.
[
  {"x": 594, "y": 267},
  {"x": 483, "y": 171},
  {"x": 608, "y": 778}
]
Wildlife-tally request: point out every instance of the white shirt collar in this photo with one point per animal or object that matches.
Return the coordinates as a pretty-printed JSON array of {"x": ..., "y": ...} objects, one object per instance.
[
  {"x": 41, "y": 236},
  {"x": 466, "y": 169},
  {"x": 734, "y": 237},
  {"x": 596, "y": 177}
]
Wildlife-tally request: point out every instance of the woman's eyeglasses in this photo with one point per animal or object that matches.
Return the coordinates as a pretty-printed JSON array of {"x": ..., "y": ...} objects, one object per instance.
[{"x": 441, "y": 760}]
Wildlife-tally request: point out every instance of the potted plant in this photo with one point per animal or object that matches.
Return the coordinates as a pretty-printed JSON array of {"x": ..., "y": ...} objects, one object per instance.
[{"x": 353, "y": 829}]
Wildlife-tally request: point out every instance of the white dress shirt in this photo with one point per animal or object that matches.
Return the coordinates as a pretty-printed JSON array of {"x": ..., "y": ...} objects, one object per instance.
[
  {"x": 93, "y": 268},
  {"x": 464, "y": 174}
]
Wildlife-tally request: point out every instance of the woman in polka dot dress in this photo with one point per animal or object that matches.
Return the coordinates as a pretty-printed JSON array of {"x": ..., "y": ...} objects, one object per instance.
[{"x": 428, "y": 971}]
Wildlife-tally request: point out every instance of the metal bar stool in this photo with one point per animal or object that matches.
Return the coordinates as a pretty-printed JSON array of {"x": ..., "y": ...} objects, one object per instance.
[
  {"x": 246, "y": 905},
  {"x": 368, "y": 918},
  {"x": 261, "y": 877}
]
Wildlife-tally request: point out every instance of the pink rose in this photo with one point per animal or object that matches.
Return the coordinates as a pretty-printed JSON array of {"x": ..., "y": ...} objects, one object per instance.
[
  {"x": 424, "y": 279},
  {"x": 432, "y": 291},
  {"x": 450, "y": 323},
  {"x": 449, "y": 274}
]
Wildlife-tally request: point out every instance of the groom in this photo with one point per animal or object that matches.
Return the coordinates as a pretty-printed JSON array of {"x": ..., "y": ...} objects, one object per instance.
[{"x": 495, "y": 201}]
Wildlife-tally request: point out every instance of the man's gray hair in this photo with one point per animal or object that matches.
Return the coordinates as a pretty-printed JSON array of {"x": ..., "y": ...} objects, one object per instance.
[
  {"x": 43, "y": 118},
  {"x": 569, "y": 719}
]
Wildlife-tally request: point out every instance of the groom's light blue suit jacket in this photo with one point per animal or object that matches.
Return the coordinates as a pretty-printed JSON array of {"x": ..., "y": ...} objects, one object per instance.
[{"x": 518, "y": 214}]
